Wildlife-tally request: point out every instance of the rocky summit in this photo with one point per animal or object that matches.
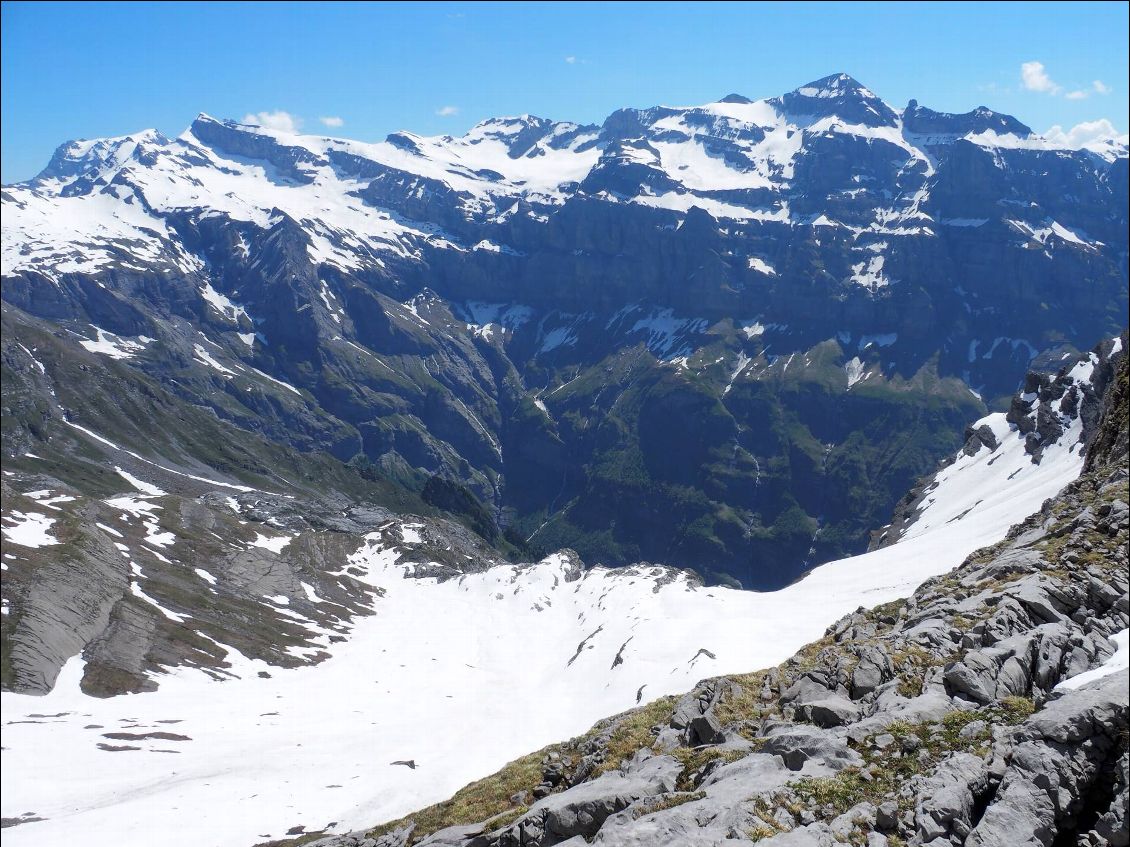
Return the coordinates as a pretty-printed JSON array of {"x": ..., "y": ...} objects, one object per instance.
[{"x": 726, "y": 337}]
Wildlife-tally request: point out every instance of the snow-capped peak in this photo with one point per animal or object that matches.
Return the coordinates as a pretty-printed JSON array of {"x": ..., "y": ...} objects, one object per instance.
[
  {"x": 838, "y": 95},
  {"x": 736, "y": 158},
  {"x": 835, "y": 86},
  {"x": 508, "y": 124},
  {"x": 97, "y": 157}
]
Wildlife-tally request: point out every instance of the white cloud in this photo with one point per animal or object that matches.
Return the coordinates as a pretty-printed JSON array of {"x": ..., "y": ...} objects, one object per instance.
[
  {"x": 1035, "y": 78},
  {"x": 570, "y": 60},
  {"x": 447, "y": 111},
  {"x": 1082, "y": 134},
  {"x": 280, "y": 120},
  {"x": 332, "y": 121}
]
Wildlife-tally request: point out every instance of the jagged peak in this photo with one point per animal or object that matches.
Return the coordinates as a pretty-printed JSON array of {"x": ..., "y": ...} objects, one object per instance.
[
  {"x": 204, "y": 122},
  {"x": 80, "y": 156},
  {"x": 84, "y": 146},
  {"x": 922, "y": 120},
  {"x": 523, "y": 133},
  {"x": 631, "y": 147},
  {"x": 837, "y": 95},
  {"x": 207, "y": 123},
  {"x": 835, "y": 85},
  {"x": 512, "y": 123},
  {"x": 210, "y": 124}
]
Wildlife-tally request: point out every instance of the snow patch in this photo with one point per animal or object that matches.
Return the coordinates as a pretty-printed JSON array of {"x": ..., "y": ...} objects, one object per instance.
[
  {"x": 1119, "y": 661},
  {"x": 114, "y": 346},
  {"x": 223, "y": 305},
  {"x": 204, "y": 575},
  {"x": 135, "y": 589},
  {"x": 29, "y": 529},
  {"x": 141, "y": 485},
  {"x": 274, "y": 544},
  {"x": 761, "y": 266},
  {"x": 869, "y": 273},
  {"x": 854, "y": 371},
  {"x": 205, "y": 358}
]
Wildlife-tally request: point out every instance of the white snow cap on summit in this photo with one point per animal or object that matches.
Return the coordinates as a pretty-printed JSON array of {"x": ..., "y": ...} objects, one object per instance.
[
  {"x": 107, "y": 202},
  {"x": 836, "y": 85}
]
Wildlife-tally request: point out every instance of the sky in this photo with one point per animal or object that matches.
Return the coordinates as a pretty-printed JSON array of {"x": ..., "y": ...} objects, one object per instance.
[{"x": 90, "y": 70}]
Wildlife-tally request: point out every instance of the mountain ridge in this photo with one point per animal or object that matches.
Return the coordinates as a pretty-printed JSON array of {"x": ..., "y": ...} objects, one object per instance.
[{"x": 977, "y": 120}]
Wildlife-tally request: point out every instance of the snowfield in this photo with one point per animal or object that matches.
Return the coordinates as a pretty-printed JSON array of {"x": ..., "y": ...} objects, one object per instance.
[{"x": 457, "y": 677}]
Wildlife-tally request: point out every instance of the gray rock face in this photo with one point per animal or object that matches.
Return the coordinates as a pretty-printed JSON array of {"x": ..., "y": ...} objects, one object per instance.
[
  {"x": 77, "y": 597},
  {"x": 705, "y": 729},
  {"x": 1059, "y": 754},
  {"x": 945, "y": 800},
  {"x": 582, "y": 809},
  {"x": 819, "y": 700},
  {"x": 830, "y": 711},
  {"x": 453, "y": 836},
  {"x": 1113, "y": 826},
  {"x": 813, "y": 835},
  {"x": 873, "y": 670},
  {"x": 799, "y": 745},
  {"x": 68, "y": 605},
  {"x": 397, "y": 838}
]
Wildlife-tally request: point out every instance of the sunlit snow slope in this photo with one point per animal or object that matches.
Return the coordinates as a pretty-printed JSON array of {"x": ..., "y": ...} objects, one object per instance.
[{"x": 456, "y": 677}]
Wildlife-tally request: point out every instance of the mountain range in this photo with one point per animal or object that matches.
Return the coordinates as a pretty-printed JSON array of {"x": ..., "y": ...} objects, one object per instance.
[
  {"x": 440, "y": 428},
  {"x": 725, "y": 337}
]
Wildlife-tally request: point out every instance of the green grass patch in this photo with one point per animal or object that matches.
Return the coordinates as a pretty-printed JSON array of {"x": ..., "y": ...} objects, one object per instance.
[
  {"x": 633, "y": 732},
  {"x": 486, "y": 799}
]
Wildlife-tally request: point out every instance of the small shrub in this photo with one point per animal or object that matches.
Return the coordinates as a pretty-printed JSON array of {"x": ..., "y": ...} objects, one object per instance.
[{"x": 1016, "y": 710}]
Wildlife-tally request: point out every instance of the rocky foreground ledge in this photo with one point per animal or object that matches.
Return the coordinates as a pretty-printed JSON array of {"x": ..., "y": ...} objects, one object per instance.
[{"x": 961, "y": 716}]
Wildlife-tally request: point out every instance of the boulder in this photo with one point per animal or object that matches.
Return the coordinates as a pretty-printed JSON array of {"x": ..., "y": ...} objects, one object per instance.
[
  {"x": 705, "y": 729},
  {"x": 830, "y": 711},
  {"x": 800, "y": 744},
  {"x": 1059, "y": 755},
  {"x": 582, "y": 809},
  {"x": 945, "y": 800}
]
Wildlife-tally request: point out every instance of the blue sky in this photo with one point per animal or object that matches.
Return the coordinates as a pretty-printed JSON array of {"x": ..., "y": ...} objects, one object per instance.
[{"x": 91, "y": 69}]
